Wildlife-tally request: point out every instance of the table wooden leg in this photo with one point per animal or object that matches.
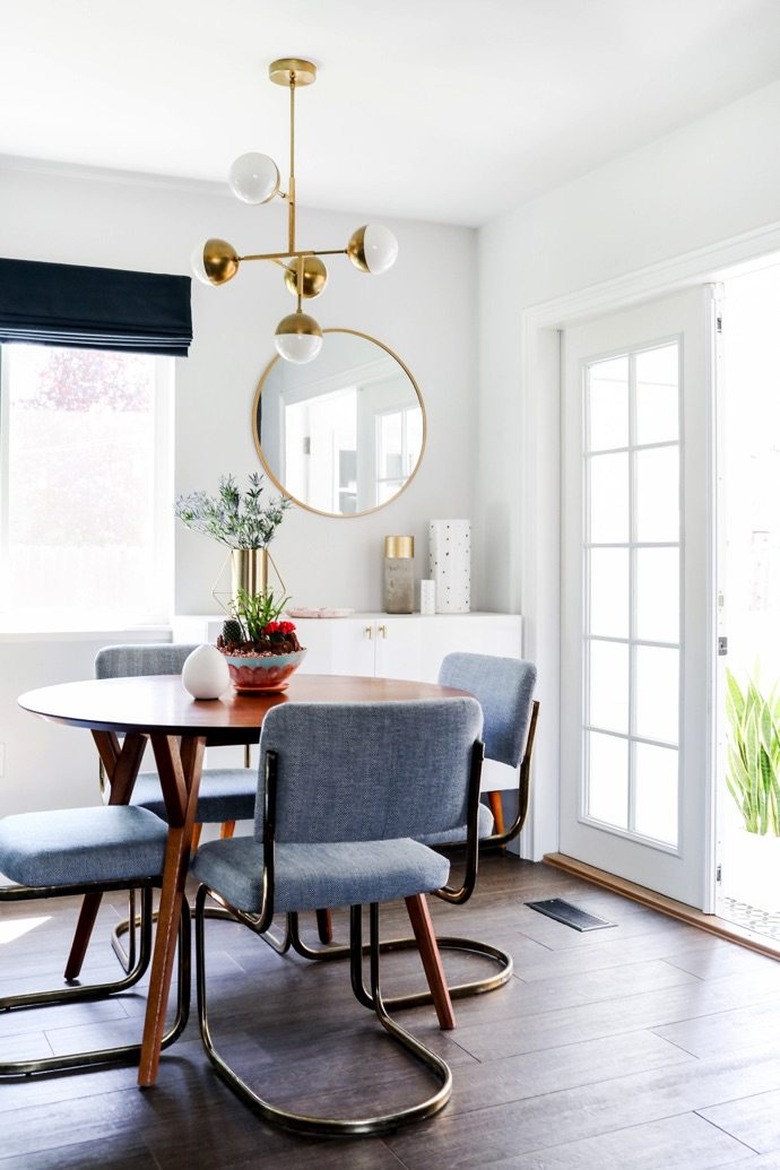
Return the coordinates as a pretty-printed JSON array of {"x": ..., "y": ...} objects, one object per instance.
[
  {"x": 420, "y": 918},
  {"x": 324, "y": 926},
  {"x": 497, "y": 809},
  {"x": 179, "y": 767},
  {"x": 121, "y": 765}
]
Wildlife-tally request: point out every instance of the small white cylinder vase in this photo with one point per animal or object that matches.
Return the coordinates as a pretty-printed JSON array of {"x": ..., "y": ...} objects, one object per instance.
[
  {"x": 427, "y": 597},
  {"x": 450, "y": 564}
]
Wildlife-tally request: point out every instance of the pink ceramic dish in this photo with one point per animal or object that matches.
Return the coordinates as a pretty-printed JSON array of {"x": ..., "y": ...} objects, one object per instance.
[{"x": 263, "y": 672}]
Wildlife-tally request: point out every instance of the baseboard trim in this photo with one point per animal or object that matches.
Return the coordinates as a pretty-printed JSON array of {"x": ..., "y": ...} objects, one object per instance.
[{"x": 679, "y": 910}]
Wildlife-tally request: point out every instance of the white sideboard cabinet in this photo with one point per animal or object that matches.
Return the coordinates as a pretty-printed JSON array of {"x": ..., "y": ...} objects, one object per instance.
[{"x": 383, "y": 645}]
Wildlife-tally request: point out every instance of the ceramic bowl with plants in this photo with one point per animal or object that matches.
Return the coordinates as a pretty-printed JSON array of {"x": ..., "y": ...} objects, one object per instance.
[{"x": 262, "y": 650}]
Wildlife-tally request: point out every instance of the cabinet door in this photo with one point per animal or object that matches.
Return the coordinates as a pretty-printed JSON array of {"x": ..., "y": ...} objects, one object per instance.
[
  {"x": 399, "y": 649},
  {"x": 414, "y": 646},
  {"x": 475, "y": 633},
  {"x": 337, "y": 645}
]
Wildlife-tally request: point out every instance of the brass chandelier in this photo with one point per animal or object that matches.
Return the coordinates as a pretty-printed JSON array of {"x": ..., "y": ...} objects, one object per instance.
[{"x": 254, "y": 178}]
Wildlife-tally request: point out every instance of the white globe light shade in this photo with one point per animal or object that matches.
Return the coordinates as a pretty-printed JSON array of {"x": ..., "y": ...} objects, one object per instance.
[
  {"x": 373, "y": 249},
  {"x": 298, "y": 338},
  {"x": 215, "y": 262},
  {"x": 198, "y": 266},
  {"x": 254, "y": 178}
]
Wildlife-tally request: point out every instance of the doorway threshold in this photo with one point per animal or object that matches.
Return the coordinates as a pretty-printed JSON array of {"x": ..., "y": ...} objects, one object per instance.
[{"x": 743, "y": 935}]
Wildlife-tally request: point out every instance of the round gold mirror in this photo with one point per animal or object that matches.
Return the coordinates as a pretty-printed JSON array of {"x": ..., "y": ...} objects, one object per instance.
[{"x": 343, "y": 434}]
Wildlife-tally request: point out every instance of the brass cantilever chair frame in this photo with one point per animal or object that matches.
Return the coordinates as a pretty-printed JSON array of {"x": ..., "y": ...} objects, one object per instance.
[
  {"x": 512, "y": 742},
  {"x": 17, "y": 835},
  {"x": 314, "y": 848}
]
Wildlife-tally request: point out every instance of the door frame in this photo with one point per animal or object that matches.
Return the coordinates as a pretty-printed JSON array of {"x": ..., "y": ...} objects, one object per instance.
[{"x": 539, "y": 511}]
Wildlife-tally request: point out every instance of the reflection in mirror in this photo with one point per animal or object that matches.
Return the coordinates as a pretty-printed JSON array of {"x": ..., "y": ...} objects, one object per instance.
[{"x": 343, "y": 434}]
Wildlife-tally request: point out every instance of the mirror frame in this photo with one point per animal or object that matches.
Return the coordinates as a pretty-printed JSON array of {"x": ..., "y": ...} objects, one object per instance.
[{"x": 273, "y": 477}]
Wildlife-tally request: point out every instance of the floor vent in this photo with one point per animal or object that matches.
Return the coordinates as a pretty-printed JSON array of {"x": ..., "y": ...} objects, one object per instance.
[{"x": 570, "y": 915}]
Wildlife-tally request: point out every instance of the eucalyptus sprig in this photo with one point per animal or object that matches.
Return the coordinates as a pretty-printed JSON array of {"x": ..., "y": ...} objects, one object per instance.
[{"x": 232, "y": 517}]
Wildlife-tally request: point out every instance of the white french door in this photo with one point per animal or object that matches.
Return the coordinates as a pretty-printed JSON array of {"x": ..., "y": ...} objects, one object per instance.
[{"x": 638, "y": 595}]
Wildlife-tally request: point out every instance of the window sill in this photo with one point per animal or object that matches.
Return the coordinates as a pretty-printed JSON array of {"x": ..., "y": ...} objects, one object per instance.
[{"x": 39, "y": 629}]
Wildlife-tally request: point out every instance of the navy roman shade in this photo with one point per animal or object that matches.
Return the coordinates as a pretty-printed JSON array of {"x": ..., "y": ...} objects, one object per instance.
[{"x": 94, "y": 308}]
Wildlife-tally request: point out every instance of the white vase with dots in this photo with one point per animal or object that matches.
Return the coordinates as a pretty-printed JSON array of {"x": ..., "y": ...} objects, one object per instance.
[{"x": 449, "y": 556}]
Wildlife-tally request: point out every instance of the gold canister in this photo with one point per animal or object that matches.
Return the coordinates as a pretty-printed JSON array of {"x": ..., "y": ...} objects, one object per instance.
[
  {"x": 399, "y": 574},
  {"x": 248, "y": 570}
]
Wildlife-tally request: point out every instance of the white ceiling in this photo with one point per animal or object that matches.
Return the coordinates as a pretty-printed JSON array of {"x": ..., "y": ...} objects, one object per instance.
[{"x": 448, "y": 110}]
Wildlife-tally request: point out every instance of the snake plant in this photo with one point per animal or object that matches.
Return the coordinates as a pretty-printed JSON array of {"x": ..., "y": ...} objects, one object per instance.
[{"x": 753, "y": 764}]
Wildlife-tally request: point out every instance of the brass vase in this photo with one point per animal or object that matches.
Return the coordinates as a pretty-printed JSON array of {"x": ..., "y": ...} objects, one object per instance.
[{"x": 248, "y": 570}]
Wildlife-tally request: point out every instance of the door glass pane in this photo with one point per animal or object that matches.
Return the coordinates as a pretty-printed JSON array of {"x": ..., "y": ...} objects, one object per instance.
[
  {"x": 657, "y": 398},
  {"x": 608, "y": 592},
  {"x": 632, "y": 591},
  {"x": 657, "y": 693},
  {"x": 607, "y": 799},
  {"x": 608, "y": 499},
  {"x": 658, "y": 594},
  {"x": 608, "y": 404},
  {"x": 656, "y": 792},
  {"x": 658, "y": 494},
  {"x": 608, "y": 686}
]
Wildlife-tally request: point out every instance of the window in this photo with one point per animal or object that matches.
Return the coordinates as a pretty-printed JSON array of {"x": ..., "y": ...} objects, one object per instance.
[
  {"x": 85, "y": 487},
  {"x": 399, "y": 444}
]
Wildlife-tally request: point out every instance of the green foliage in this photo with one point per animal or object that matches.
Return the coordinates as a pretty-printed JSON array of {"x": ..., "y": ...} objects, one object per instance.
[
  {"x": 754, "y": 755},
  {"x": 254, "y": 611},
  {"x": 232, "y": 517}
]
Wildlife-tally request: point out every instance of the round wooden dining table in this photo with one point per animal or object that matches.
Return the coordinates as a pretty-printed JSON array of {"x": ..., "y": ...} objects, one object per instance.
[{"x": 126, "y": 714}]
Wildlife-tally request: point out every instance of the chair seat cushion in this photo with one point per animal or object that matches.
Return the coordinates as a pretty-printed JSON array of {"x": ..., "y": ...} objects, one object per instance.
[
  {"x": 315, "y": 877},
  {"x": 456, "y": 836},
  {"x": 81, "y": 845},
  {"x": 225, "y": 794}
]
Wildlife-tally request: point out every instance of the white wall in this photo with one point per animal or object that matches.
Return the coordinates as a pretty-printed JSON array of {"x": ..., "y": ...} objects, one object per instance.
[
  {"x": 424, "y": 309},
  {"x": 714, "y": 180}
]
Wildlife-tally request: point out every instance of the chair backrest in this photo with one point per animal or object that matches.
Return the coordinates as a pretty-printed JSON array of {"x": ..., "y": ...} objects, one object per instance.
[
  {"x": 128, "y": 660},
  {"x": 369, "y": 771},
  {"x": 505, "y": 690}
]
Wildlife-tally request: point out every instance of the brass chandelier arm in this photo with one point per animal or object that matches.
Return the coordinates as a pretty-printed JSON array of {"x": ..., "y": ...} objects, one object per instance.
[{"x": 294, "y": 255}]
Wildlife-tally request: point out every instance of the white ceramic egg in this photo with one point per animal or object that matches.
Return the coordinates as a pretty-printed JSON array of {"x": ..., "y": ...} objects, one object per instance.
[{"x": 205, "y": 673}]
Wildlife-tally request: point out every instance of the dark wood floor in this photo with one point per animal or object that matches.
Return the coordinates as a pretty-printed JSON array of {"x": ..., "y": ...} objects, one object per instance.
[{"x": 649, "y": 1045}]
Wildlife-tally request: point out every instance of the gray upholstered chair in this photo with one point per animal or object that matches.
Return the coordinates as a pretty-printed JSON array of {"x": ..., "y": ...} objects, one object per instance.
[
  {"x": 343, "y": 790},
  {"x": 79, "y": 851},
  {"x": 226, "y": 795},
  {"x": 504, "y": 688}
]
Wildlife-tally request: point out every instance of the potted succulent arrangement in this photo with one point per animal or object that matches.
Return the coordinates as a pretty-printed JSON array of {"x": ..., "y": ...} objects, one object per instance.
[{"x": 261, "y": 650}]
